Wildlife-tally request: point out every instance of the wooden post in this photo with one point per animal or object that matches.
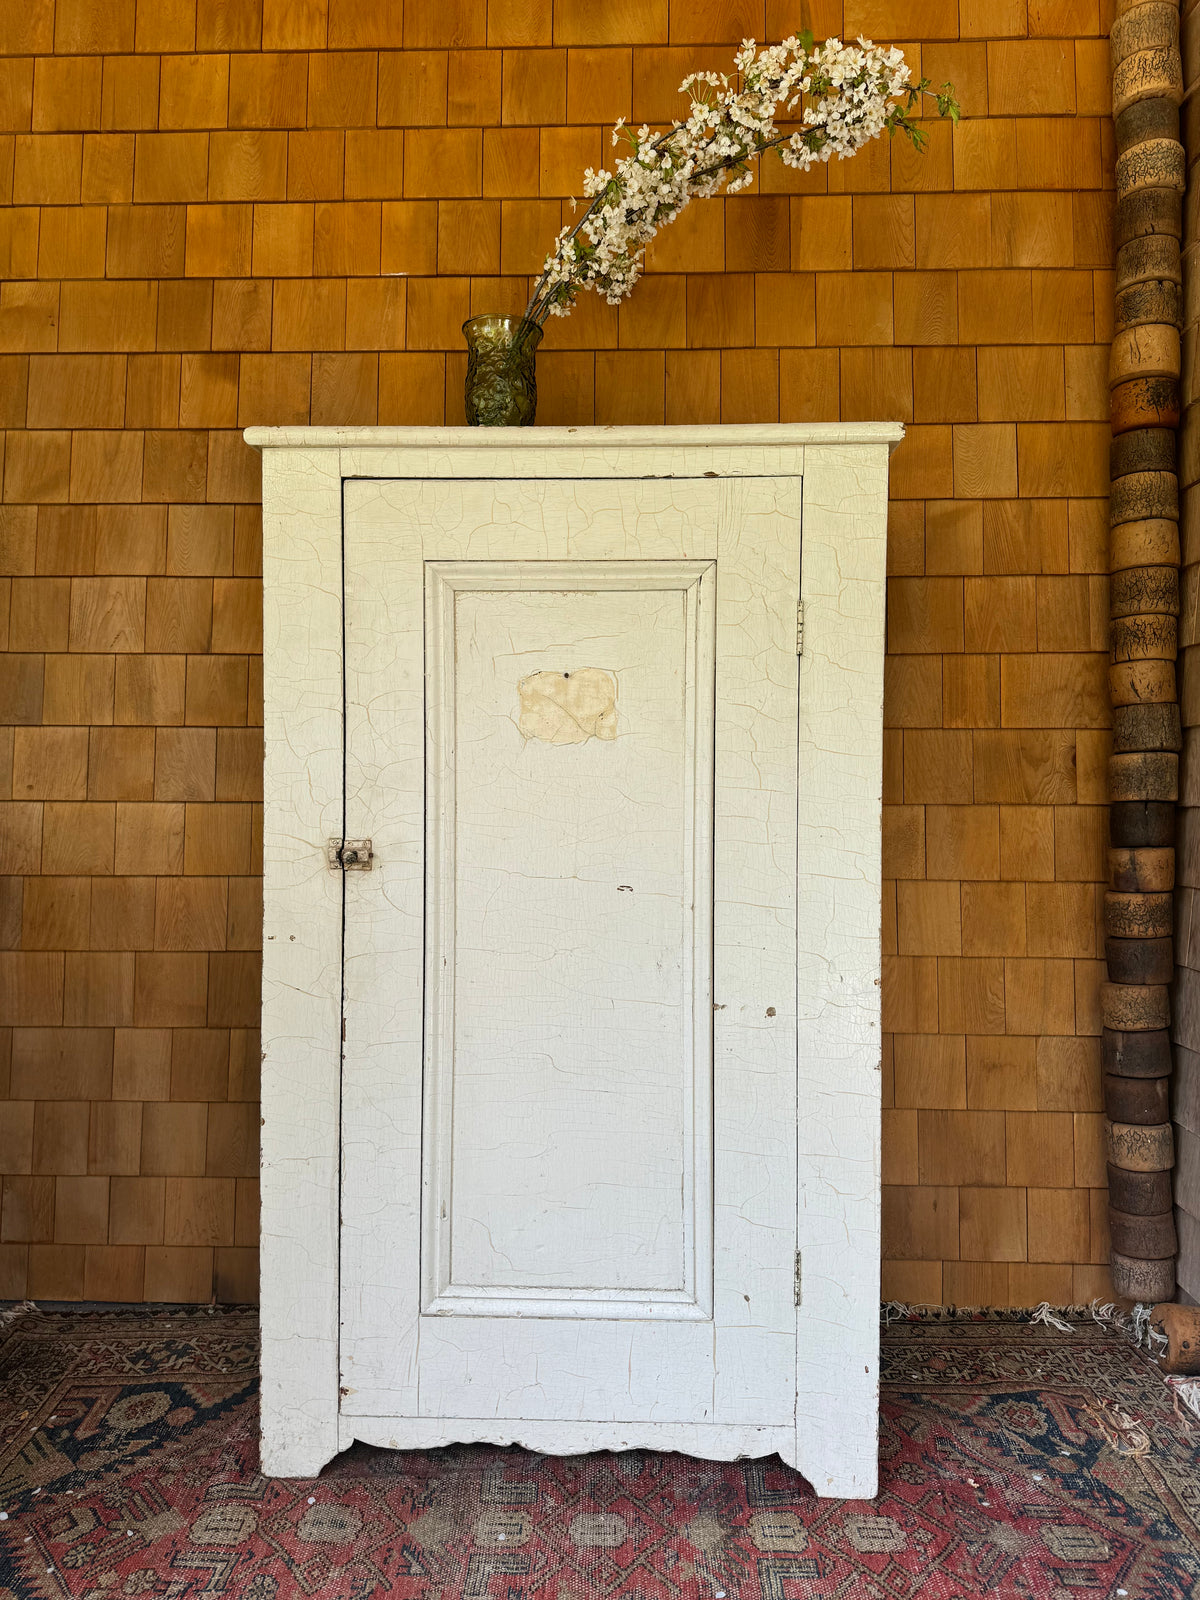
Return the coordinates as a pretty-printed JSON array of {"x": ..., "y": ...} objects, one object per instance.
[{"x": 1143, "y": 779}]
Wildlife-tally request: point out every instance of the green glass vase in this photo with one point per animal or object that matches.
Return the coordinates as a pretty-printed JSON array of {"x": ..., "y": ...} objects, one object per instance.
[{"x": 501, "y": 389}]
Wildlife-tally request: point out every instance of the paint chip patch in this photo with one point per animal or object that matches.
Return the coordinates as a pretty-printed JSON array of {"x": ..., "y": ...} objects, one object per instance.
[{"x": 568, "y": 707}]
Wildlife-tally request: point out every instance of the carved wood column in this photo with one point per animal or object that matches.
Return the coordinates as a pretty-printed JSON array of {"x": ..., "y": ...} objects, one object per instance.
[{"x": 1144, "y": 566}]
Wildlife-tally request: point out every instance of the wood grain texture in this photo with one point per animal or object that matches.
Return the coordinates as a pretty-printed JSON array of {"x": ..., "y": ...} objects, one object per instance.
[{"x": 190, "y": 242}]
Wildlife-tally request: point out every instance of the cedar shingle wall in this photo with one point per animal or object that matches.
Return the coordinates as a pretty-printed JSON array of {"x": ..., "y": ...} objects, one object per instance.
[{"x": 225, "y": 212}]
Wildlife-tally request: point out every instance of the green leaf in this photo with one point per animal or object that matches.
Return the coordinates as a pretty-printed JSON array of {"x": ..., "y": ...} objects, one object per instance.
[{"x": 947, "y": 104}]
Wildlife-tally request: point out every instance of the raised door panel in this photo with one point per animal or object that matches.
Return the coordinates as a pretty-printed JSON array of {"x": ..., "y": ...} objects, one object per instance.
[{"x": 568, "y": 1049}]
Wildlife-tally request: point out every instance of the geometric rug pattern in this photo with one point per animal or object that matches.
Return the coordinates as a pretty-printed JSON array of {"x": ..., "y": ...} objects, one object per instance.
[{"x": 1017, "y": 1461}]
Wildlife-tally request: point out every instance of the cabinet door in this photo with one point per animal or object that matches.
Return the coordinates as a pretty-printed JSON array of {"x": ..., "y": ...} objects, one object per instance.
[{"x": 569, "y": 1084}]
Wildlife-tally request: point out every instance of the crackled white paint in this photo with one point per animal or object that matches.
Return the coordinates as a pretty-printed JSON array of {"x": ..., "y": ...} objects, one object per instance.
[{"x": 474, "y": 559}]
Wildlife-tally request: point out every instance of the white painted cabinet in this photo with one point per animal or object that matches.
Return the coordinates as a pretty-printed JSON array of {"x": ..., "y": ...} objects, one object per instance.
[{"x": 571, "y": 1100}]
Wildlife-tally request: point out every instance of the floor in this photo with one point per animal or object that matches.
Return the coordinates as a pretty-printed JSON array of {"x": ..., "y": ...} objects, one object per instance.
[{"x": 1017, "y": 1461}]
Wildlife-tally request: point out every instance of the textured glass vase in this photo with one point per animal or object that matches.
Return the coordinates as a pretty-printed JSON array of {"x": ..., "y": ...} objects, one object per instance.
[{"x": 501, "y": 389}]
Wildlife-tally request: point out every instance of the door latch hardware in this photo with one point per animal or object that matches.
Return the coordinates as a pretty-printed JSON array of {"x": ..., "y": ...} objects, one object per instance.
[
  {"x": 349, "y": 855},
  {"x": 799, "y": 627},
  {"x": 796, "y": 1294}
]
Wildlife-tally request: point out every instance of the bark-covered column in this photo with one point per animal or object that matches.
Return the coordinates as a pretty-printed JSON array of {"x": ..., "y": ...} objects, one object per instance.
[
  {"x": 1185, "y": 1020},
  {"x": 1144, "y": 567}
]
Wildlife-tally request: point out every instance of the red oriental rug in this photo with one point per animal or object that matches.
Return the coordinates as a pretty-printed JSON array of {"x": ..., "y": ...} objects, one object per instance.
[{"x": 1018, "y": 1461}]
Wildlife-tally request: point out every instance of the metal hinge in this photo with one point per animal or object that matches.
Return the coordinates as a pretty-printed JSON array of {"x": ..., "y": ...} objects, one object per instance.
[
  {"x": 349, "y": 855},
  {"x": 796, "y": 1280},
  {"x": 799, "y": 633}
]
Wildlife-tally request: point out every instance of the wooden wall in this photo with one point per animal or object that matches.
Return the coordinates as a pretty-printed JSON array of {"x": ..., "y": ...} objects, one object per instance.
[{"x": 223, "y": 212}]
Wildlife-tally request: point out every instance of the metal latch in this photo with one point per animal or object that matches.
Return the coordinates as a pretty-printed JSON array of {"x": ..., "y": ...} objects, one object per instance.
[{"x": 349, "y": 855}]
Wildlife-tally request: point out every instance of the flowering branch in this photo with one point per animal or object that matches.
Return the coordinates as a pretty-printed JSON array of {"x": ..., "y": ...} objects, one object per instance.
[{"x": 847, "y": 95}]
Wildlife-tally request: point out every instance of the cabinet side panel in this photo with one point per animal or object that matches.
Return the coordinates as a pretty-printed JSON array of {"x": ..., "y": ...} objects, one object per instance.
[
  {"x": 841, "y": 784},
  {"x": 302, "y": 958}
]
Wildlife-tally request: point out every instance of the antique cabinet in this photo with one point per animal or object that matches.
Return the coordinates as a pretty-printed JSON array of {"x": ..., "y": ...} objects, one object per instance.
[{"x": 571, "y": 1033}]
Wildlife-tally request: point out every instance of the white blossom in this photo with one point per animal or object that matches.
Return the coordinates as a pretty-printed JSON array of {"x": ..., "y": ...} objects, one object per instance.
[{"x": 845, "y": 95}]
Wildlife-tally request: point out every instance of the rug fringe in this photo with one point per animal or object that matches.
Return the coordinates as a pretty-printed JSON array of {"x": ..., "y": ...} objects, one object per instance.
[
  {"x": 924, "y": 1311},
  {"x": 1046, "y": 1313},
  {"x": 12, "y": 1313},
  {"x": 1187, "y": 1396},
  {"x": 1133, "y": 1325}
]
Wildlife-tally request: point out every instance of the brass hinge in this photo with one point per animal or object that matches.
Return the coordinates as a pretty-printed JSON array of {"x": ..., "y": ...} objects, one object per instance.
[
  {"x": 349, "y": 855},
  {"x": 796, "y": 1280},
  {"x": 799, "y": 627}
]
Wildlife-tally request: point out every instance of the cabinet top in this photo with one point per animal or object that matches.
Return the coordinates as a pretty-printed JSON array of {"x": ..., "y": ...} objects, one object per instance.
[{"x": 748, "y": 435}]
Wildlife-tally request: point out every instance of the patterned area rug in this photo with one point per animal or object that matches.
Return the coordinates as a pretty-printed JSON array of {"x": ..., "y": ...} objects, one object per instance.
[{"x": 1018, "y": 1461}]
